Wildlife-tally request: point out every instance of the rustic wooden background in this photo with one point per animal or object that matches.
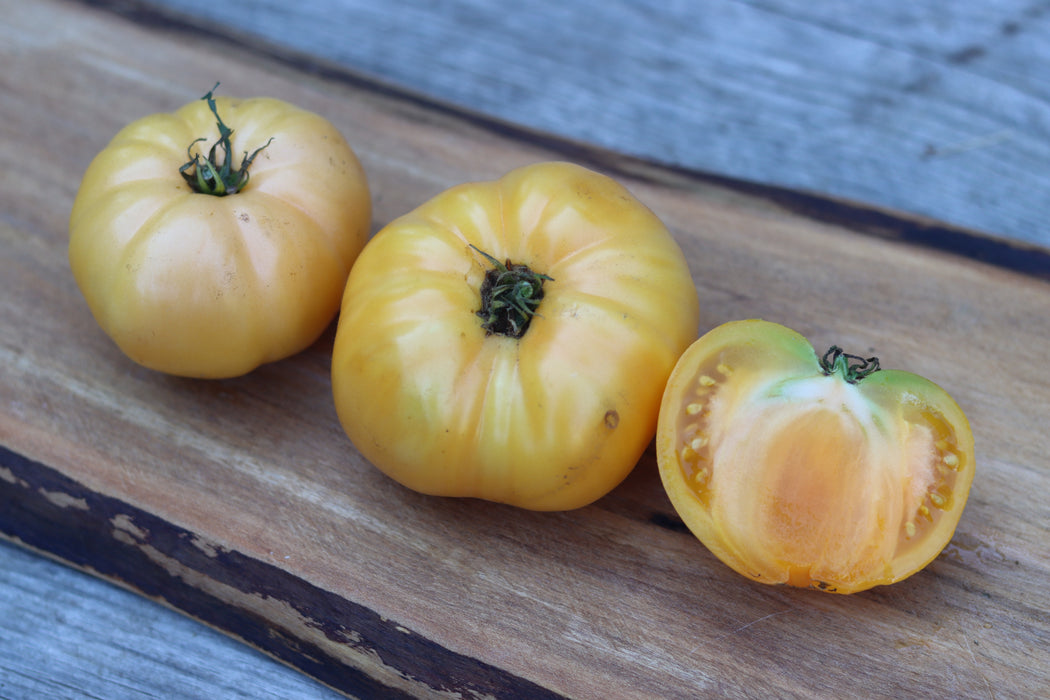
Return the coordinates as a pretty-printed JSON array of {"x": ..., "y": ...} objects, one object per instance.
[
  {"x": 934, "y": 108},
  {"x": 938, "y": 108}
]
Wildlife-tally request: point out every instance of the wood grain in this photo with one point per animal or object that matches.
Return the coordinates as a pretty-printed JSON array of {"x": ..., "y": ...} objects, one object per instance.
[
  {"x": 911, "y": 105},
  {"x": 242, "y": 503},
  {"x": 103, "y": 641}
]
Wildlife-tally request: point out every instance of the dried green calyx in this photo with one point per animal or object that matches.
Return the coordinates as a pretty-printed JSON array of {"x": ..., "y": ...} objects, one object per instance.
[
  {"x": 852, "y": 368},
  {"x": 216, "y": 174},
  {"x": 510, "y": 294}
]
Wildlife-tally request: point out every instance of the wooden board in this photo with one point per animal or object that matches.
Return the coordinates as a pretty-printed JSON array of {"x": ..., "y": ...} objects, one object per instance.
[{"x": 242, "y": 503}]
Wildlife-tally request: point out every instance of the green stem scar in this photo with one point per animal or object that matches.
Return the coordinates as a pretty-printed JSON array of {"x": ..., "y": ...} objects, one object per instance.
[
  {"x": 510, "y": 294},
  {"x": 853, "y": 368},
  {"x": 215, "y": 175}
]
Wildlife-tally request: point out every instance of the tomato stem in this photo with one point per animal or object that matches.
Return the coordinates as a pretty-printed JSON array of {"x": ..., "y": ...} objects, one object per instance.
[
  {"x": 510, "y": 294},
  {"x": 853, "y": 368},
  {"x": 215, "y": 175}
]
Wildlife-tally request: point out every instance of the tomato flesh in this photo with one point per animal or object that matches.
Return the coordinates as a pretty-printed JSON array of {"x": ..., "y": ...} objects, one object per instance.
[{"x": 791, "y": 475}]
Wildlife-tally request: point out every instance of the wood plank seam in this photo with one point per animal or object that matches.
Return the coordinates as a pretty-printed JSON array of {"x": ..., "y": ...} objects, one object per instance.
[
  {"x": 912, "y": 230},
  {"x": 47, "y": 511}
]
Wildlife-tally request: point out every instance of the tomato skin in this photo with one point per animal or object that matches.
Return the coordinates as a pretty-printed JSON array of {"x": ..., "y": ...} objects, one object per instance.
[
  {"x": 791, "y": 475},
  {"x": 549, "y": 421},
  {"x": 205, "y": 286}
]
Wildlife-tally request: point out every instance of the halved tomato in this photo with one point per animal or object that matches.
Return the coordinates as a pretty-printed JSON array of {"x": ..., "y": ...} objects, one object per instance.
[{"x": 811, "y": 470}]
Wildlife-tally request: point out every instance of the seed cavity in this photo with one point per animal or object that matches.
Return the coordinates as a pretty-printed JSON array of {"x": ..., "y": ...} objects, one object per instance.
[
  {"x": 946, "y": 463},
  {"x": 693, "y": 450}
]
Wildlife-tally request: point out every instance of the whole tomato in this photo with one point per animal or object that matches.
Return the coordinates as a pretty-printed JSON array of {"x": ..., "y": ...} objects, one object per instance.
[
  {"x": 510, "y": 340},
  {"x": 811, "y": 470},
  {"x": 209, "y": 260}
]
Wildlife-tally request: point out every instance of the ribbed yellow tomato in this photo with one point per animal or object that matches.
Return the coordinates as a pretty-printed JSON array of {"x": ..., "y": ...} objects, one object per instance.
[
  {"x": 194, "y": 268},
  {"x": 510, "y": 340},
  {"x": 809, "y": 470}
]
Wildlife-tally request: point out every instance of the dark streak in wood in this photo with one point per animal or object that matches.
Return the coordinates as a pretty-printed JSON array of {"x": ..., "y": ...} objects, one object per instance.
[
  {"x": 82, "y": 536},
  {"x": 1011, "y": 255},
  {"x": 968, "y": 54}
]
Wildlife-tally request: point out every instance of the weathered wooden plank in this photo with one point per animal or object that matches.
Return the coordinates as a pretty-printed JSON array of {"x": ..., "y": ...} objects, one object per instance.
[
  {"x": 936, "y": 108},
  {"x": 614, "y": 598},
  {"x": 65, "y": 634}
]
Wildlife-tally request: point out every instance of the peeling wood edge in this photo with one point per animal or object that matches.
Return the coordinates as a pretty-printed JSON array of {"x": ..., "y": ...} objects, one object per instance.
[
  {"x": 340, "y": 643},
  {"x": 1015, "y": 256}
]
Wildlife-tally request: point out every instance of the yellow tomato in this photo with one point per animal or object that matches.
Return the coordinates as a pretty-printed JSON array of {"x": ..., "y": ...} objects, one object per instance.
[
  {"x": 510, "y": 340},
  {"x": 808, "y": 470},
  {"x": 196, "y": 264}
]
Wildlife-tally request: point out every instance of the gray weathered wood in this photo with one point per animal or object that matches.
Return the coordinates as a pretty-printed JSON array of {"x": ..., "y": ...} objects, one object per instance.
[
  {"x": 937, "y": 108},
  {"x": 65, "y": 634}
]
